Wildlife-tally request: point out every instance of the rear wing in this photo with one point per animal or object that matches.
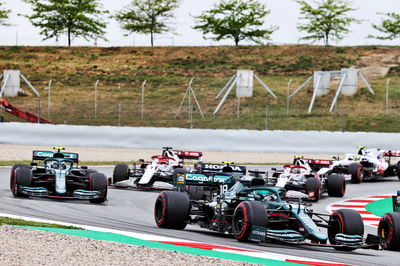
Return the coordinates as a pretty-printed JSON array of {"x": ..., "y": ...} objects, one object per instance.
[
  {"x": 389, "y": 153},
  {"x": 220, "y": 168},
  {"x": 190, "y": 155},
  {"x": 42, "y": 155},
  {"x": 316, "y": 164}
]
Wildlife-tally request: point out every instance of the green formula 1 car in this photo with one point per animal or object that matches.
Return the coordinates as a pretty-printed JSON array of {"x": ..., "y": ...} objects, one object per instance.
[
  {"x": 249, "y": 210},
  {"x": 56, "y": 175}
]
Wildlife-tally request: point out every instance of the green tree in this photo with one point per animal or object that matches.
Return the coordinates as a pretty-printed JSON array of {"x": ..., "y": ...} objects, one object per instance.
[
  {"x": 147, "y": 16},
  {"x": 329, "y": 20},
  {"x": 389, "y": 26},
  {"x": 235, "y": 19},
  {"x": 75, "y": 18},
  {"x": 4, "y": 13}
]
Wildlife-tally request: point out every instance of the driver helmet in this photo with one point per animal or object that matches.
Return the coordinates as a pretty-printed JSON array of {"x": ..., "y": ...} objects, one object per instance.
[{"x": 54, "y": 165}]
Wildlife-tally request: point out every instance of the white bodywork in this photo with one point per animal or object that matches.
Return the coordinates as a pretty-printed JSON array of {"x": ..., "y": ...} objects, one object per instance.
[
  {"x": 374, "y": 156},
  {"x": 294, "y": 174},
  {"x": 161, "y": 165},
  {"x": 60, "y": 172}
]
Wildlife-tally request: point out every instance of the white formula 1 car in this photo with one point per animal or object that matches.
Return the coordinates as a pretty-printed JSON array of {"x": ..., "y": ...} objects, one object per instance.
[
  {"x": 160, "y": 168},
  {"x": 368, "y": 164},
  {"x": 310, "y": 176}
]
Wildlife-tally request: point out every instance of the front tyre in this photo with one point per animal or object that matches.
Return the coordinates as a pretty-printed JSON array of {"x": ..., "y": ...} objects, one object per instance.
[
  {"x": 23, "y": 177},
  {"x": 389, "y": 231},
  {"x": 313, "y": 188},
  {"x": 121, "y": 173},
  {"x": 98, "y": 182},
  {"x": 336, "y": 185},
  {"x": 248, "y": 214},
  {"x": 345, "y": 221},
  {"x": 171, "y": 210},
  {"x": 357, "y": 173}
]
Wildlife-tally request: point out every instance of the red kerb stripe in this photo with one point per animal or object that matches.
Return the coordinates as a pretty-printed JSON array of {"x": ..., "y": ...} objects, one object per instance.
[
  {"x": 203, "y": 246},
  {"x": 316, "y": 263},
  {"x": 347, "y": 206}
]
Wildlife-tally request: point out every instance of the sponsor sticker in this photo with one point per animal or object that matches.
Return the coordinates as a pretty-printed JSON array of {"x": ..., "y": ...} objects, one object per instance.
[
  {"x": 180, "y": 178},
  {"x": 204, "y": 178}
]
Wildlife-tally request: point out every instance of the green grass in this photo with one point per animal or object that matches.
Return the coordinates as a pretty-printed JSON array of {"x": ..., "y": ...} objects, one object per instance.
[
  {"x": 20, "y": 222},
  {"x": 121, "y": 71}
]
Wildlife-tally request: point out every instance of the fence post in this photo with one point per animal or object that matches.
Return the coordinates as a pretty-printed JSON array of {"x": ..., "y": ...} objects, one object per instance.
[
  {"x": 387, "y": 97},
  {"x": 95, "y": 99},
  {"x": 288, "y": 97},
  {"x": 119, "y": 114},
  {"x": 49, "y": 100}
]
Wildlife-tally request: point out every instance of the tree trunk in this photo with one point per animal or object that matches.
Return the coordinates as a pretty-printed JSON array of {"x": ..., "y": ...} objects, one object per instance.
[
  {"x": 237, "y": 41},
  {"x": 69, "y": 37},
  {"x": 152, "y": 39},
  {"x": 326, "y": 39}
]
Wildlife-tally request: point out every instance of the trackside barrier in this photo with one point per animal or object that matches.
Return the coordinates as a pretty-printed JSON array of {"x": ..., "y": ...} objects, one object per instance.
[{"x": 197, "y": 139}]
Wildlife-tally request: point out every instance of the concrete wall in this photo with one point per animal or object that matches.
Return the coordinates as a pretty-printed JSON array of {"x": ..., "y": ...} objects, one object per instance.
[{"x": 195, "y": 139}]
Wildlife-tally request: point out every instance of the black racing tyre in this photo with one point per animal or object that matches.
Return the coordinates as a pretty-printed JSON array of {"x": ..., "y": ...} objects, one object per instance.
[
  {"x": 345, "y": 221},
  {"x": 121, "y": 173},
  {"x": 389, "y": 231},
  {"x": 246, "y": 215},
  {"x": 336, "y": 185},
  {"x": 398, "y": 170},
  {"x": 12, "y": 174},
  {"x": 357, "y": 173},
  {"x": 171, "y": 210},
  {"x": 23, "y": 177},
  {"x": 98, "y": 182},
  {"x": 313, "y": 188}
]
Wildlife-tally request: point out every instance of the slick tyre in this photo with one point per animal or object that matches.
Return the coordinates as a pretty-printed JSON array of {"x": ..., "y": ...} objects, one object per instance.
[
  {"x": 398, "y": 170},
  {"x": 345, "y": 221},
  {"x": 336, "y": 185},
  {"x": 121, "y": 173},
  {"x": 357, "y": 173},
  {"x": 13, "y": 173},
  {"x": 98, "y": 182},
  {"x": 23, "y": 177},
  {"x": 248, "y": 214},
  {"x": 389, "y": 231},
  {"x": 171, "y": 210},
  {"x": 313, "y": 188}
]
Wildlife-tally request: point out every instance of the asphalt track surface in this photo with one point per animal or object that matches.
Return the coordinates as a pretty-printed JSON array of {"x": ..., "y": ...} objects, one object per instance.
[{"x": 132, "y": 210}]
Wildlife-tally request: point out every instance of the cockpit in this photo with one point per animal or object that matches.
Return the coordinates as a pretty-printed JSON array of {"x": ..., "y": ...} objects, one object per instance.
[{"x": 58, "y": 165}]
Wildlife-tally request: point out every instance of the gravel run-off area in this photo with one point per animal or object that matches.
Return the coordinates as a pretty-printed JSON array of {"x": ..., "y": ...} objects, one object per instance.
[
  {"x": 24, "y": 152},
  {"x": 21, "y": 246}
]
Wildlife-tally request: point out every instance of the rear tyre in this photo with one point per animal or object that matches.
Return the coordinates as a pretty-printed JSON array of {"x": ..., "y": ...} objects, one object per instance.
[
  {"x": 345, "y": 221},
  {"x": 313, "y": 188},
  {"x": 98, "y": 182},
  {"x": 389, "y": 231},
  {"x": 336, "y": 185},
  {"x": 398, "y": 170},
  {"x": 121, "y": 173},
  {"x": 23, "y": 177},
  {"x": 356, "y": 171},
  {"x": 246, "y": 215},
  {"x": 171, "y": 210}
]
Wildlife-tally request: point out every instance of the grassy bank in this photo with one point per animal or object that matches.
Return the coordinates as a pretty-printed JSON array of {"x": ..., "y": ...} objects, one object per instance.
[
  {"x": 121, "y": 70},
  {"x": 20, "y": 222}
]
